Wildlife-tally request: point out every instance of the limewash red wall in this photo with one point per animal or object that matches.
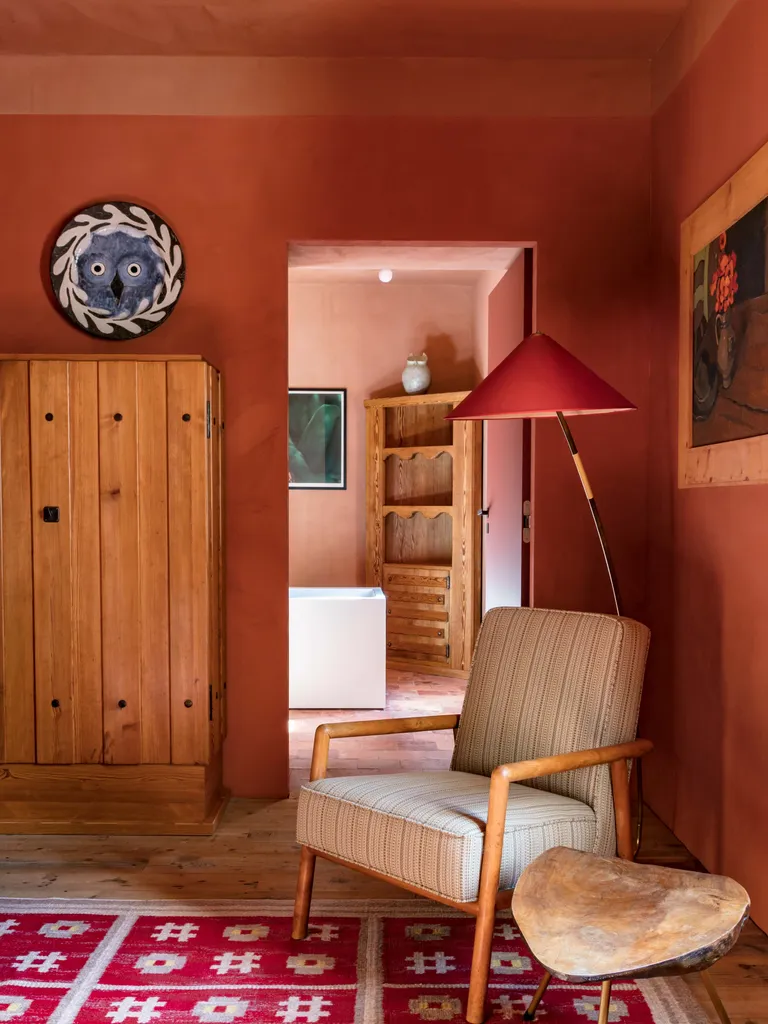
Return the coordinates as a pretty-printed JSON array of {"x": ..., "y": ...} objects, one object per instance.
[
  {"x": 706, "y": 702},
  {"x": 237, "y": 190}
]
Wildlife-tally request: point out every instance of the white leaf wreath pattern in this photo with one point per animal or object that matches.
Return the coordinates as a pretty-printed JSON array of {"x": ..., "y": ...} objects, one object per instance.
[{"x": 73, "y": 297}]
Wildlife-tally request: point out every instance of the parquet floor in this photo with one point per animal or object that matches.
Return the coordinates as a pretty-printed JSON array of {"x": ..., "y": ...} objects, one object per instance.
[{"x": 253, "y": 854}]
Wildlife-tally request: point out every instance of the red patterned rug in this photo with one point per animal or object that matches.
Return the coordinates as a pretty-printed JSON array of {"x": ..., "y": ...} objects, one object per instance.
[{"x": 365, "y": 962}]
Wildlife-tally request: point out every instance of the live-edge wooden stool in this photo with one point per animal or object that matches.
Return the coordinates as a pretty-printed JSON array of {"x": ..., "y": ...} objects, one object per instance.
[{"x": 588, "y": 919}]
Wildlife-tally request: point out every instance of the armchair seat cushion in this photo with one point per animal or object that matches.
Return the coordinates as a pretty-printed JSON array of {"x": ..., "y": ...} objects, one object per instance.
[{"x": 427, "y": 828}]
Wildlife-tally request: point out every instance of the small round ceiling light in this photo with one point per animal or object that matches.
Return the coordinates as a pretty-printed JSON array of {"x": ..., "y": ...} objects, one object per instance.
[{"x": 385, "y": 276}]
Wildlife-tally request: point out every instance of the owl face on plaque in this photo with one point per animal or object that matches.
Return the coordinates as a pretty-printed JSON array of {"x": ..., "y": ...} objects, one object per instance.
[
  {"x": 117, "y": 270},
  {"x": 120, "y": 271}
]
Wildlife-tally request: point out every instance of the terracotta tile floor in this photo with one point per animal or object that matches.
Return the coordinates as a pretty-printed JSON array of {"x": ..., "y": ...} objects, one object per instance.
[{"x": 408, "y": 694}]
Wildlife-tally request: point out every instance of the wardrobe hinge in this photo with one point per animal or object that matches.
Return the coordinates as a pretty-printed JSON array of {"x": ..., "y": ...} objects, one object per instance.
[
  {"x": 210, "y": 702},
  {"x": 207, "y": 419},
  {"x": 447, "y": 582},
  {"x": 447, "y": 650}
]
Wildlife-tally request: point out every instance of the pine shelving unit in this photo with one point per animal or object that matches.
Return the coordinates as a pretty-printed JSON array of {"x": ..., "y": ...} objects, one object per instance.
[{"x": 423, "y": 486}]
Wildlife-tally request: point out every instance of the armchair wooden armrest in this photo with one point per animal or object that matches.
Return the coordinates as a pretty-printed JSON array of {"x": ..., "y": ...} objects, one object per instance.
[
  {"x": 501, "y": 778},
  {"x": 373, "y": 727},
  {"x": 518, "y": 771}
]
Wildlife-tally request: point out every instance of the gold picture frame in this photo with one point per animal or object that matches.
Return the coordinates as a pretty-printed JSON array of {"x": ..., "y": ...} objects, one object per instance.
[{"x": 706, "y": 241}]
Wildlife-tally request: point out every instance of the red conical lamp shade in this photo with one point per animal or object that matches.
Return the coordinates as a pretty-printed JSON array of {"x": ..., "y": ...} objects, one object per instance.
[{"x": 539, "y": 378}]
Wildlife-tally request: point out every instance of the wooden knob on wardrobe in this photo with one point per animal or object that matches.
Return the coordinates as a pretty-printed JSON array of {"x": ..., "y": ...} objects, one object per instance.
[
  {"x": 122, "y": 703},
  {"x": 187, "y": 703}
]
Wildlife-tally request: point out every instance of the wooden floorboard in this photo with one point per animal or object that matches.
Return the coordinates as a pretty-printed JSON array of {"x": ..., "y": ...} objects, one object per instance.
[{"x": 254, "y": 854}]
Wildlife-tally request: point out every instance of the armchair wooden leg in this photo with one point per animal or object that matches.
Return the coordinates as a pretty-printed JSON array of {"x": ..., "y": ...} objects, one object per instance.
[
  {"x": 490, "y": 871},
  {"x": 605, "y": 1003},
  {"x": 621, "y": 809},
  {"x": 481, "y": 961},
  {"x": 303, "y": 893},
  {"x": 530, "y": 1013}
]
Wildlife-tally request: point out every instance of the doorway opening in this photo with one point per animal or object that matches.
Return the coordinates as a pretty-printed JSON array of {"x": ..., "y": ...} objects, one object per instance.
[{"x": 384, "y": 501}]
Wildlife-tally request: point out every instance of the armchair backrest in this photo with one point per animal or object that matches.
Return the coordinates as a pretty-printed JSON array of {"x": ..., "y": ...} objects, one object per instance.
[{"x": 550, "y": 682}]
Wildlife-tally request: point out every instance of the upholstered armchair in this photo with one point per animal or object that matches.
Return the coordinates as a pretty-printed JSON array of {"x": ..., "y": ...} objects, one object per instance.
[{"x": 541, "y": 759}]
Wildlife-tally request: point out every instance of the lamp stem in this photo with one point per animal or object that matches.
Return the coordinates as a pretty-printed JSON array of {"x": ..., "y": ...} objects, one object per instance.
[{"x": 592, "y": 508}]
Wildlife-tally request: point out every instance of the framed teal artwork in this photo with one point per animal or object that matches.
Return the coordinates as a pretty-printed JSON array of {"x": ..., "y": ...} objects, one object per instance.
[{"x": 317, "y": 439}]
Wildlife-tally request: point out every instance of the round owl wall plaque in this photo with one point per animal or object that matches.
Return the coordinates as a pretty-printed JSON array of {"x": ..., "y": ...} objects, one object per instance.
[{"x": 117, "y": 270}]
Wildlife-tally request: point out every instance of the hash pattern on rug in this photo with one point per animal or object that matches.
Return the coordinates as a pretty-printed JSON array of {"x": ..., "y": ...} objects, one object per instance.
[{"x": 364, "y": 962}]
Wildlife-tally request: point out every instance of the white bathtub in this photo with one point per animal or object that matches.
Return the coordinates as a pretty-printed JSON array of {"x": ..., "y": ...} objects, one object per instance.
[{"x": 337, "y": 647}]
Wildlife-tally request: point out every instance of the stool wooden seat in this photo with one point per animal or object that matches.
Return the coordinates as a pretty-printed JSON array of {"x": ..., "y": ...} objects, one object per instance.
[{"x": 590, "y": 918}]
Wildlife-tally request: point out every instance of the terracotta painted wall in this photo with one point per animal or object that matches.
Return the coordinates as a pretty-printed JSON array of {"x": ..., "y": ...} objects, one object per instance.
[
  {"x": 357, "y": 334},
  {"x": 237, "y": 190},
  {"x": 706, "y": 704}
]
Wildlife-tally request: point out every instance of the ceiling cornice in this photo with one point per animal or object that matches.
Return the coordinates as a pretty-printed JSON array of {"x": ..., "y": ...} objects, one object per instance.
[
  {"x": 284, "y": 86},
  {"x": 702, "y": 18}
]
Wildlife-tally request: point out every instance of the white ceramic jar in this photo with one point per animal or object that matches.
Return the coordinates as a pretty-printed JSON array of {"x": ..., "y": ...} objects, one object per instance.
[{"x": 416, "y": 375}]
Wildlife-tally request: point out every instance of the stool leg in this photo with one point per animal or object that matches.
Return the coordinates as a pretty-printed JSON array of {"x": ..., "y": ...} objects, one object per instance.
[
  {"x": 530, "y": 1013},
  {"x": 714, "y": 995},
  {"x": 605, "y": 1003}
]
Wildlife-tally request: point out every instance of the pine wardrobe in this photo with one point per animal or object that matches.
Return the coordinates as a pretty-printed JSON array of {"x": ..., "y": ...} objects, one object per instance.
[{"x": 111, "y": 581}]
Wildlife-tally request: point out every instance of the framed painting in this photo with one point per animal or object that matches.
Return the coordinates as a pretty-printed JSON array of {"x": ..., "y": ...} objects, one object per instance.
[
  {"x": 723, "y": 407},
  {"x": 317, "y": 439}
]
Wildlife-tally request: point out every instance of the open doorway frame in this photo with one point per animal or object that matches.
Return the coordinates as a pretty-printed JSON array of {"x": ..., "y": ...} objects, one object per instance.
[{"x": 366, "y": 258}]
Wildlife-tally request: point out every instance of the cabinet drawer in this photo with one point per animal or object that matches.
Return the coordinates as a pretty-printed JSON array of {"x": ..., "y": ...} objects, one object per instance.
[
  {"x": 417, "y": 592},
  {"x": 410, "y": 577},
  {"x": 405, "y": 625},
  {"x": 406, "y": 604},
  {"x": 418, "y": 648}
]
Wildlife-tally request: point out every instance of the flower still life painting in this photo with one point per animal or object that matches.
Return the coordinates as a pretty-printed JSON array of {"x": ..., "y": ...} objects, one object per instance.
[
  {"x": 317, "y": 427},
  {"x": 730, "y": 333}
]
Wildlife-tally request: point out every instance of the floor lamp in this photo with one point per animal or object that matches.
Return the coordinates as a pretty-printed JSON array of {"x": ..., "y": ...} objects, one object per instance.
[{"x": 540, "y": 379}]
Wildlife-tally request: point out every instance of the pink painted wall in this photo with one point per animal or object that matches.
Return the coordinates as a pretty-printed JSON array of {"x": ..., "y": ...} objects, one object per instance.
[
  {"x": 356, "y": 333},
  {"x": 503, "y": 452},
  {"x": 237, "y": 190},
  {"x": 706, "y": 702}
]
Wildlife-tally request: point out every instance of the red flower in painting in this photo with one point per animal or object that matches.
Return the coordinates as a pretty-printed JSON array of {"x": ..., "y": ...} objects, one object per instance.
[{"x": 725, "y": 280}]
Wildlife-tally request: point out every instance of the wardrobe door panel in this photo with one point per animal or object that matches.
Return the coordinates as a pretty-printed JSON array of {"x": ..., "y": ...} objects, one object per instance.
[
  {"x": 120, "y": 608},
  {"x": 189, "y": 554},
  {"x": 153, "y": 564},
  {"x": 17, "y": 669},
  {"x": 214, "y": 555},
  {"x": 85, "y": 600},
  {"x": 134, "y": 563},
  {"x": 65, "y": 530}
]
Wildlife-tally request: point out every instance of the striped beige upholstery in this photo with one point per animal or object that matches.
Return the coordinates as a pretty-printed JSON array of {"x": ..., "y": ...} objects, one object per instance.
[
  {"x": 542, "y": 682},
  {"x": 427, "y": 828},
  {"x": 549, "y": 682}
]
